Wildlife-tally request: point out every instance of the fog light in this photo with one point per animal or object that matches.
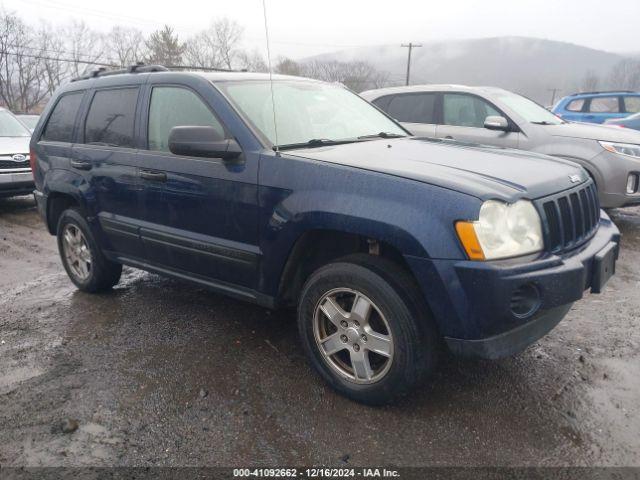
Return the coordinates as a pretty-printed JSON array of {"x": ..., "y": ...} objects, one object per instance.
[
  {"x": 525, "y": 301},
  {"x": 632, "y": 183}
]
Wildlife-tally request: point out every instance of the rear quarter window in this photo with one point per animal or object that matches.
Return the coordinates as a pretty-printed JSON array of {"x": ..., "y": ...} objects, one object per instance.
[
  {"x": 59, "y": 127},
  {"x": 632, "y": 104},
  {"x": 111, "y": 116}
]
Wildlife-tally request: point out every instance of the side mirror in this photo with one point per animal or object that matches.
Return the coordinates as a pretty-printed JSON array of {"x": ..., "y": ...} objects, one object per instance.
[
  {"x": 494, "y": 122},
  {"x": 202, "y": 142}
]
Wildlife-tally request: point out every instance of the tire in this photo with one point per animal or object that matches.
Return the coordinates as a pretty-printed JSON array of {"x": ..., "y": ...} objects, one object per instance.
[
  {"x": 399, "y": 326},
  {"x": 100, "y": 274}
]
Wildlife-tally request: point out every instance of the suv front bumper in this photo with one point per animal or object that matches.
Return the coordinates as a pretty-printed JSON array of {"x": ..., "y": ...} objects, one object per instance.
[
  {"x": 477, "y": 304},
  {"x": 16, "y": 183}
]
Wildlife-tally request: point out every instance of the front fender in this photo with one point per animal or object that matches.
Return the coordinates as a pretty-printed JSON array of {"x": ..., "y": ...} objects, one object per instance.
[{"x": 297, "y": 196}]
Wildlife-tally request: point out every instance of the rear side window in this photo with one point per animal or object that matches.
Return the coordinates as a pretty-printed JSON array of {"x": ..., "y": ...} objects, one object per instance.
[
  {"x": 174, "y": 107},
  {"x": 111, "y": 118},
  {"x": 575, "y": 105},
  {"x": 59, "y": 127},
  {"x": 466, "y": 110},
  {"x": 604, "y": 105},
  {"x": 632, "y": 104},
  {"x": 413, "y": 107}
]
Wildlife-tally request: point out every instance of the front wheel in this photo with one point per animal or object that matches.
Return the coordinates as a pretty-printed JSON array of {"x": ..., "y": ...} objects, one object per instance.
[
  {"x": 83, "y": 260},
  {"x": 366, "y": 329}
]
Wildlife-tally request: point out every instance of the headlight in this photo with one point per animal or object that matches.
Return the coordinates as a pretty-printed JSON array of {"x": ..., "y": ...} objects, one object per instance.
[
  {"x": 502, "y": 230},
  {"x": 628, "y": 149}
]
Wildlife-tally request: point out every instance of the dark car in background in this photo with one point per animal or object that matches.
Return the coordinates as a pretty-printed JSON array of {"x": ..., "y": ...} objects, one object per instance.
[
  {"x": 632, "y": 121},
  {"x": 15, "y": 173},
  {"x": 597, "y": 107},
  {"x": 387, "y": 245}
]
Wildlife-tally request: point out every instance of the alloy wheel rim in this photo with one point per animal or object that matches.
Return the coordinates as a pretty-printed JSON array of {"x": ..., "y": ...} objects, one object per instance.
[
  {"x": 76, "y": 252},
  {"x": 353, "y": 336}
]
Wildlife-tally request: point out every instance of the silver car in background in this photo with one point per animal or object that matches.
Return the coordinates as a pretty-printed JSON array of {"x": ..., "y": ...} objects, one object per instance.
[
  {"x": 15, "y": 172},
  {"x": 493, "y": 116}
]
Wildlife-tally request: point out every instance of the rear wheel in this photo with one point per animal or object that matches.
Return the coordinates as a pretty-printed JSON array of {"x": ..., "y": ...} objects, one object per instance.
[
  {"x": 84, "y": 262},
  {"x": 366, "y": 329}
]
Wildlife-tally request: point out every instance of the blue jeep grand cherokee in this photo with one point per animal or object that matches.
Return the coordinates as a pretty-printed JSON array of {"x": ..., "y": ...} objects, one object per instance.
[{"x": 387, "y": 244}]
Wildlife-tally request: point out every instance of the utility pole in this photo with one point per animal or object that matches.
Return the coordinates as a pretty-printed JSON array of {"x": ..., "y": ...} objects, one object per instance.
[
  {"x": 410, "y": 46},
  {"x": 553, "y": 91}
]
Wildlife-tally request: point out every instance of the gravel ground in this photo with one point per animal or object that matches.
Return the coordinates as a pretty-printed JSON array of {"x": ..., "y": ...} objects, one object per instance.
[{"x": 159, "y": 372}]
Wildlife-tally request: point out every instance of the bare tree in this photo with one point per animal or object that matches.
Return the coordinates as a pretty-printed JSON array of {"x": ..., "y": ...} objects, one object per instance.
[
  {"x": 227, "y": 34},
  {"x": 252, "y": 61},
  {"x": 83, "y": 46},
  {"x": 218, "y": 46},
  {"x": 202, "y": 51},
  {"x": 625, "y": 75},
  {"x": 590, "y": 81},
  {"x": 55, "y": 68},
  {"x": 21, "y": 88},
  {"x": 125, "y": 45},
  {"x": 286, "y": 66},
  {"x": 357, "y": 76}
]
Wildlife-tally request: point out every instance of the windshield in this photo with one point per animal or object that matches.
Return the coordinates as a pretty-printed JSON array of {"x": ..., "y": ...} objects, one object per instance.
[
  {"x": 11, "y": 127},
  {"x": 307, "y": 111},
  {"x": 528, "y": 109},
  {"x": 29, "y": 120}
]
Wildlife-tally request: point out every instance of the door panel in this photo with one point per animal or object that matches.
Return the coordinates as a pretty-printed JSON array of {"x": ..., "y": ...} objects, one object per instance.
[
  {"x": 107, "y": 152},
  {"x": 421, "y": 129},
  {"x": 118, "y": 194},
  {"x": 478, "y": 135},
  {"x": 207, "y": 223},
  {"x": 208, "y": 215}
]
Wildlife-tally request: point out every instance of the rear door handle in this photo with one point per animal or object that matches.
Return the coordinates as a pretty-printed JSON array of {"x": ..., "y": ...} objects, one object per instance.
[
  {"x": 449, "y": 137},
  {"x": 153, "y": 176},
  {"x": 81, "y": 164}
]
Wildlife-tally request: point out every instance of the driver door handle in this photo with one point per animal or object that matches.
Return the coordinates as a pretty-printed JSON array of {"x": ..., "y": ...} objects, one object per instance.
[
  {"x": 81, "y": 164},
  {"x": 153, "y": 176}
]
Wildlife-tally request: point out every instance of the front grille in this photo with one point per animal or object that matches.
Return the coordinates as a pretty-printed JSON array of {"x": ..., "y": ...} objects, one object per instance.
[
  {"x": 570, "y": 218},
  {"x": 12, "y": 164}
]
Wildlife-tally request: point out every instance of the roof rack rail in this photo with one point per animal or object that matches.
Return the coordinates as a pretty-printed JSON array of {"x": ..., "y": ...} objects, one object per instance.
[
  {"x": 603, "y": 91},
  {"x": 205, "y": 69},
  {"x": 139, "y": 67}
]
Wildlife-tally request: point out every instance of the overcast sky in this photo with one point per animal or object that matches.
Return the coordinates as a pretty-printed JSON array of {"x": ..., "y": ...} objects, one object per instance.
[{"x": 300, "y": 28}]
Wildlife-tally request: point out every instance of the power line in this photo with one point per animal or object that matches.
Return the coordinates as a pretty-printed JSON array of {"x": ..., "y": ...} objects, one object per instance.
[
  {"x": 410, "y": 46},
  {"x": 57, "y": 59}
]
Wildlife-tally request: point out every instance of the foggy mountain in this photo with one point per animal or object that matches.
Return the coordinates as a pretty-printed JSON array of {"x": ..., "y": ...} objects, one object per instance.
[{"x": 530, "y": 66}]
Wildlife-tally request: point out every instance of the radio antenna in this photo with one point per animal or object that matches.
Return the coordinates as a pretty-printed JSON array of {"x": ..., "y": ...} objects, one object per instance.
[{"x": 273, "y": 97}]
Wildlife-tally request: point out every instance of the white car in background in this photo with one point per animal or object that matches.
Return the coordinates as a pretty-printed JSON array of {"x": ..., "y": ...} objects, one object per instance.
[{"x": 15, "y": 172}]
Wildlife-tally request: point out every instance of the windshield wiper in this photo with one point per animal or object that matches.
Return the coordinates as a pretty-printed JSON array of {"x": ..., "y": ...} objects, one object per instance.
[
  {"x": 382, "y": 135},
  {"x": 544, "y": 122},
  {"x": 314, "y": 142}
]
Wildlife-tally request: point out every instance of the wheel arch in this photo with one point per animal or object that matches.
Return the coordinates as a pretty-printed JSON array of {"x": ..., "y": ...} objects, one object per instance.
[{"x": 319, "y": 246}]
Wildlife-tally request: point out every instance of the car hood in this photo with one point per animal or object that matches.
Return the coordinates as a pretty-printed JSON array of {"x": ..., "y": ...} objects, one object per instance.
[
  {"x": 13, "y": 145},
  {"x": 590, "y": 131},
  {"x": 485, "y": 172}
]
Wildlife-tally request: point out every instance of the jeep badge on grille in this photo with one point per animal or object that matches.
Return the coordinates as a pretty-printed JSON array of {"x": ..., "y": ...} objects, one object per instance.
[{"x": 574, "y": 178}]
